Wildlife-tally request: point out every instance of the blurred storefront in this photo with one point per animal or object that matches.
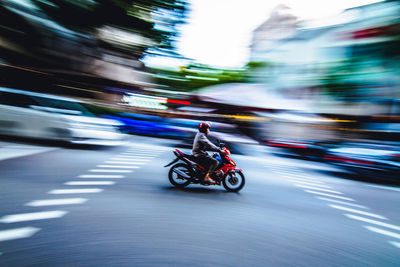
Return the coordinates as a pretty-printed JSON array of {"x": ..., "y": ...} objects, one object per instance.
[{"x": 351, "y": 58}]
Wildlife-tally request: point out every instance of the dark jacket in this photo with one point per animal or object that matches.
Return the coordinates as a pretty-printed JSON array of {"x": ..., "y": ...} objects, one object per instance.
[{"x": 201, "y": 144}]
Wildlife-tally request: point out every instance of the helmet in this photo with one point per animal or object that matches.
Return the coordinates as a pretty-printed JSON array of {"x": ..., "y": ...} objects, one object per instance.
[{"x": 204, "y": 126}]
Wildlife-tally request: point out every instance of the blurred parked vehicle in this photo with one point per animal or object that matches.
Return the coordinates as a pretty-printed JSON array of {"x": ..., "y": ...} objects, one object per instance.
[
  {"x": 43, "y": 116},
  {"x": 313, "y": 150},
  {"x": 146, "y": 125},
  {"x": 380, "y": 161}
]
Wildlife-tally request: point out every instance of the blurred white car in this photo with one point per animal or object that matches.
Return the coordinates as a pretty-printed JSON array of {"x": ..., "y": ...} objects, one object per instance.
[{"x": 43, "y": 116}]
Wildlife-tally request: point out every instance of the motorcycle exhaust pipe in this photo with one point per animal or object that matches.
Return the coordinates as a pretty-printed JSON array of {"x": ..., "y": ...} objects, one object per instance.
[{"x": 181, "y": 173}]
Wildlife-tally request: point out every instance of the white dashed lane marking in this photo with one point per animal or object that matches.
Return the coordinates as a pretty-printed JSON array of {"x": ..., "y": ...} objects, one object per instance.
[
  {"x": 383, "y": 232},
  {"x": 18, "y": 233},
  {"x": 121, "y": 162},
  {"x": 118, "y": 166},
  {"x": 328, "y": 195},
  {"x": 101, "y": 176},
  {"x": 132, "y": 156},
  {"x": 319, "y": 189},
  {"x": 127, "y": 160},
  {"x": 115, "y": 171},
  {"x": 299, "y": 179},
  {"x": 54, "y": 202},
  {"x": 90, "y": 183},
  {"x": 387, "y": 225},
  {"x": 75, "y": 191},
  {"x": 358, "y": 211},
  {"x": 308, "y": 183},
  {"x": 32, "y": 216},
  {"x": 395, "y": 243},
  {"x": 343, "y": 203},
  {"x": 122, "y": 159}
]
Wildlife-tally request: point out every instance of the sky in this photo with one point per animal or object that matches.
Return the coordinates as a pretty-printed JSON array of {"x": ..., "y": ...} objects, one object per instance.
[{"x": 219, "y": 32}]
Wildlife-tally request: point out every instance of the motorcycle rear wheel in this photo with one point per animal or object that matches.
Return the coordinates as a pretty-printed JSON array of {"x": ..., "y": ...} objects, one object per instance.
[
  {"x": 233, "y": 182},
  {"x": 176, "y": 179}
]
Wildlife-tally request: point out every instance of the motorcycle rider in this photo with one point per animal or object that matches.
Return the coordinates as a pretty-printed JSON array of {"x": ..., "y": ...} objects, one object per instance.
[{"x": 200, "y": 146}]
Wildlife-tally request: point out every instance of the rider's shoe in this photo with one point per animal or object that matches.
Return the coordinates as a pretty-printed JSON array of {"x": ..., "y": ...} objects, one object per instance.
[{"x": 207, "y": 179}]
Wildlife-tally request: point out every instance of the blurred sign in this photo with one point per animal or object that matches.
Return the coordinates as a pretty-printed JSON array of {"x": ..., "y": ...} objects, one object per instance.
[{"x": 145, "y": 101}]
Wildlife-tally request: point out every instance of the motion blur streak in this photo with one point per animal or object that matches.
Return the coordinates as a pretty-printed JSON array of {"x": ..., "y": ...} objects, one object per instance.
[{"x": 95, "y": 95}]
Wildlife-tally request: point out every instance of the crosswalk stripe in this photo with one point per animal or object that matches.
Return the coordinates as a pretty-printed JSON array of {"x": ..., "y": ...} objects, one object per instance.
[
  {"x": 395, "y": 243},
  {"x": 18, "y": 233},
  {"x": 319, "y": 189},
  {"x": 120, "y": 162},
  {"x": 383, "y": 232},
  {"x": 329, "y": 195},
  {"x": 54, "y": 202},
  {"x": 90, "y": 183},
  {"x": 32, "y": 216},
  {"x": 343, "y": 202},
  {"x": 119, "y": 159},
  {"x": 309, "y": 183},
  {"x": 111, "y": 176},
  {"x": 387, "y": 225},
  {"x": 118, "y": 166},
  {"x": 114, "y": 171},
  {"x": 75, "y": 191},
  {"x": 357, "y": 211}
]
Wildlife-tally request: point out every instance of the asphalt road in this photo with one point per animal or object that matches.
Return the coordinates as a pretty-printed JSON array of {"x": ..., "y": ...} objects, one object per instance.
[{"x": 115, "y": 207}]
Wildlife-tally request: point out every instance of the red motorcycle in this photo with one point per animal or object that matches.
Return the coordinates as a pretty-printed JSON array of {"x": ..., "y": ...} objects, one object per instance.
[{"x": 190, "y": 171}]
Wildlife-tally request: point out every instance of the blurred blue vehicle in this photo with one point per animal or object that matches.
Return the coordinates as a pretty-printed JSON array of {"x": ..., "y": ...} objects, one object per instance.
[
  {"x": 378, "y": 161},
  {"x": 147, "y": 125}
]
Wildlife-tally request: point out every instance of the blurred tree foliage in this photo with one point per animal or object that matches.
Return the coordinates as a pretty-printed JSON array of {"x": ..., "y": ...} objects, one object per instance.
[
  {"x": 196, "y": 76},
  {"x": 155, "y": 20}
]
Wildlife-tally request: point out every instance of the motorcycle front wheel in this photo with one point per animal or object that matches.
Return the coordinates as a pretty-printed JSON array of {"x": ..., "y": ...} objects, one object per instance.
[
  {"x": 233, "y": 181},
  {"x": 176, "y": 179}
]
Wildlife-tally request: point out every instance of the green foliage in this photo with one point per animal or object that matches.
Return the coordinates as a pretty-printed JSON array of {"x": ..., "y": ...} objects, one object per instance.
[{"x": 197, "y": 76}]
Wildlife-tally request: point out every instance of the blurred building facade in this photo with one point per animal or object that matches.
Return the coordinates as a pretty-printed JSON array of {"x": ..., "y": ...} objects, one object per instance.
[{"x": 351, "y": 58}]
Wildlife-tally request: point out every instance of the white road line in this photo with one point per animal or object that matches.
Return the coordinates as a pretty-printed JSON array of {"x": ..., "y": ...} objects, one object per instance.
[
  {"x": 329, "y": 195},
  {"x": 138, "y": 163},
  {"x": 394, "y": 243},
  {"x": 18, "y": 233},
  {"x": 135, "y": 155},
  {"x": 54, "y": 202},
  {"x": 108, "y": 176},
  {"x": 143, "y": 152},
  {"x": 383, "y": 232},
  {"x": 131, "y": 157},
  {"x": 319, "y": 189},
  {"x": 357, "y": 211},
  {"x": 90, "y": 183},
  {"x": 103, "y": 170},
  {"x": 344, "y": 203},
  {"x": 309, "y": 183},
  {"x": 304, "y": 179},
  {"x": 387, "y": 225},
  {"x": 385, "y": 187},
  {"x": 118, "y": 166},
  {"x": 32, "y": 216},
  {"x": 120, "y": 162},
  {"x": 75, "y": 191}
]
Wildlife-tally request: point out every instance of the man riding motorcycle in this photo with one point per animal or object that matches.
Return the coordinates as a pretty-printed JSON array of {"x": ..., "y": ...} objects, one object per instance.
[{"x": 200, "y": 146}]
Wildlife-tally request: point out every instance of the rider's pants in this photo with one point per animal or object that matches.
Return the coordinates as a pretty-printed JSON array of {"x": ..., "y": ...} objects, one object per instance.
[{"x": 207, "y": 161}]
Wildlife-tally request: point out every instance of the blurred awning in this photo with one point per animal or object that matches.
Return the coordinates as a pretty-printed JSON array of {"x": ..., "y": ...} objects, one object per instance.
[{"x": 250, "y": 96}]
